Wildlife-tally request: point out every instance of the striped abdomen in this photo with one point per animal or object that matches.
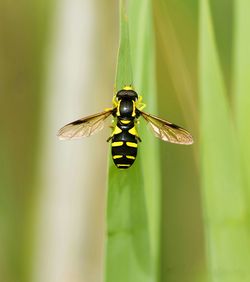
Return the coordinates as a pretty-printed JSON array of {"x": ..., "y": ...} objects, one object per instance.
[{"x": 124, "y": 144}]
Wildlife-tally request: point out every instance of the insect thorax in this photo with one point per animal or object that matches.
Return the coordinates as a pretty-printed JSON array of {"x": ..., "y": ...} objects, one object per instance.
[{"x": 126, "y": 108}]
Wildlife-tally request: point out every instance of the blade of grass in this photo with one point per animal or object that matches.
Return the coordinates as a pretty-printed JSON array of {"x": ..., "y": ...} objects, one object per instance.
[
  {"x": 143, "y": 62},
  {"x": 225, "y": 208},
  {"x": 242, "y": 82},
  {"x": 124, "y": 73},
  {"x": 128, "y": 256}
]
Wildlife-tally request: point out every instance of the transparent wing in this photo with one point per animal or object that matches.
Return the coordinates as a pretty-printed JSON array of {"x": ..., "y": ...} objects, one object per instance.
[
  {"x": 84, "y": 127},
  {"x": 167, "y": 131}
]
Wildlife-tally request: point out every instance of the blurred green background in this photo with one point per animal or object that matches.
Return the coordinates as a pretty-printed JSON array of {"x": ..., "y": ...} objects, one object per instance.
[{"x": 57, "y": 63}]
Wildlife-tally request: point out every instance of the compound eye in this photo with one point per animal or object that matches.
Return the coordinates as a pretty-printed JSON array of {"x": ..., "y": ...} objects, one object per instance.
[{"x": 119, "y": 96}]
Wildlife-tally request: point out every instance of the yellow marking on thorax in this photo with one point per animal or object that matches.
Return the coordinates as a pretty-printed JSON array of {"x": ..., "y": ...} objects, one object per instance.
[
  {"x": 127, "y": 87},
  {"x": 130, "y": 157},
  {"x": 124, "y": 121},
  {"x": 117, "y": 157},
  {"x": 133, "y": 131},
  {"x": 139, "y": 105},
  {"x": 133, "y": 113},
  {"x": 120, "y": 165},
  {"x": 117, "y": 144},
  {"x": 114, "y": 101},
  {"x": 131, "y": 144},
  {"x": 118, "y": 108},
  {"x": 117, "y": 130}
]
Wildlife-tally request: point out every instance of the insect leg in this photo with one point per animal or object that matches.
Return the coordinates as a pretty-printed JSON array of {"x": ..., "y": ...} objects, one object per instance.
[
  {"x": 110, "y": 137},
  {"x": 138, "y": 138}
]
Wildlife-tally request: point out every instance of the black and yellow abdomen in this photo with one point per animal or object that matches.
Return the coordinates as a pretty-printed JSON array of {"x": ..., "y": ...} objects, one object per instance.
[{"x": 124, "y": 145}]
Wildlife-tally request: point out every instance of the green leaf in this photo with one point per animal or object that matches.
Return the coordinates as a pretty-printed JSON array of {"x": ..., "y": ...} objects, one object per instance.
[
  {"x": 241, "y": 85},
  {"x": 128, "y": 256},
  {"x": 143, "y": 62},
  {"x": 225, "y": 207},
  {"x": 124, "y": 74},
  {"x": 133, "y": 194}
]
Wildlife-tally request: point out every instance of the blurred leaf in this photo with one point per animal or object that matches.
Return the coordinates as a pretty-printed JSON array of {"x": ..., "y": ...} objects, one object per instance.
[
  {"x": 225, "y": 209},
  {"x": 242, "y": 83},
  {"x": 24, "y": 32},
  {"x": 183, "y": 252}
]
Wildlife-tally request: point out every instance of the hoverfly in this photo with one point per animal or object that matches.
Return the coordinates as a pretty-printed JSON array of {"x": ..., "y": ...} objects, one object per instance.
[{"x": 127, "y": 108}]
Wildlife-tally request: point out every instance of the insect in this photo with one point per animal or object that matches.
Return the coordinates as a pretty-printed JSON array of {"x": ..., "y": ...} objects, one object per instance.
[{"x": 127, "y": 108}]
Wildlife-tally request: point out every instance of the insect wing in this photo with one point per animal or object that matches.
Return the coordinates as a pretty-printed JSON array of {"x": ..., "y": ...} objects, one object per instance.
[
  {"x": 168, "y": 131},
  {"x": 83, "y": 127}
]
